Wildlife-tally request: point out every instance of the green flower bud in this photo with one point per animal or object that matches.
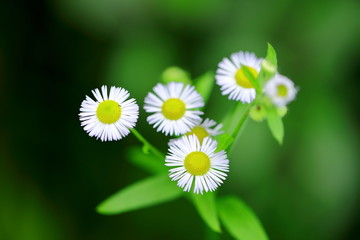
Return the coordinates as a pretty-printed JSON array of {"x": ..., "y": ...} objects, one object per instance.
[
  {"x": 175, "y": 74},
  {"x": 257, "y": 113}
]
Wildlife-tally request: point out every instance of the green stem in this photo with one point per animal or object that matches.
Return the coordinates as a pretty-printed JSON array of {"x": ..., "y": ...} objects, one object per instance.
[
  {"x": 153, "y": 149},
  {"x": 238, "y": 118},
  {"x": 227, "y": 120},
  {"x": 240, "y": 123}
]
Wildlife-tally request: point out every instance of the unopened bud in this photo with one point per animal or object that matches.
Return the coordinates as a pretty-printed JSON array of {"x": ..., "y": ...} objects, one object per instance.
[
  {"x": 175, "y": 74},
  {"x": 257, "y": 113}
]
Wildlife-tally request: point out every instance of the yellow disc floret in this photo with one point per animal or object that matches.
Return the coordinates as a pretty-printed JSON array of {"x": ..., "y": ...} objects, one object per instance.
[
  {"x": 242, "y": 80},
  {"x": 173, "y": 108},
  {"x": 200, "y": 133},
  {"x": 282, "y": 90},
  {"x": 197, "y": 163},
  {"x": 108, "y": 112}
]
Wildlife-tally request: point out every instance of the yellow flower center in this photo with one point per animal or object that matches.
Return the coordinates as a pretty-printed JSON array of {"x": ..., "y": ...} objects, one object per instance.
[
  {"x": 282, "y": 90},
  {"x": 108, "y": 112},
  {"x": 197, "y": 163},
  {"x": 173, "y": 108},
  {"x": 242, "y": 80},
  {"x": 200, "y": 133}
]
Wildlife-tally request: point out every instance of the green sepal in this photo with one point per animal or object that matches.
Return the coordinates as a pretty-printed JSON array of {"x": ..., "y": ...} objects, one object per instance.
[
  {"x": 204, "y": 85},
  {"x": 145, "y": 193},
  {"x": 240, "y": 221},
  {"x": 205, "y": 204}
]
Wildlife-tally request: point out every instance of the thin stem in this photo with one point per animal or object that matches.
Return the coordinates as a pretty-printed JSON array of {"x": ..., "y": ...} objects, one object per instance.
[
  {"x": 227, "y": 120},
  {"x": 238, "y": 118},
  {"x": 146, "y": 143},
  {"x": 240, "y": 124}
]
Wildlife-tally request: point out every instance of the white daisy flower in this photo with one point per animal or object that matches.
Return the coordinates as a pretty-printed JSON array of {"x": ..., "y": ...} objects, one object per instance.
[
  {"x": 111, "y": 116},
  {"x": 203, "y": 129},
  {"x": 280, "y": 90},
  {"x": 197, "y": 163},
  {"x": 230, "y": 76},
  {"x": 174, "y": 108}
]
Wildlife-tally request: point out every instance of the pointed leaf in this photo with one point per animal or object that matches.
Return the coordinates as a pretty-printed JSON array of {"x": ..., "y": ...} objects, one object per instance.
[
  {"x": 268, "y": 66},
  {"x": 204, "y": 85},
  {"x": 206, "y": 206},
  {"x": 240, "y": 220},
  {"x": 271, "y": 55},
  {"x": 275, "y": 124},
  {"x": 145, "y": 193},
  {"x": 148, "y": 162}
]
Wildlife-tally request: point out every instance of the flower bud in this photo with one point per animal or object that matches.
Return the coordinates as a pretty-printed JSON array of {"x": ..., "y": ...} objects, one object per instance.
[
  {"x": 257, "y": 113},
  {"x": 175, "y": 74}
]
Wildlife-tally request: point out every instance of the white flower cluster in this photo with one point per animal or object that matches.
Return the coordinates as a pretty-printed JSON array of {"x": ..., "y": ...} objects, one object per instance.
[
  {"x": 235, "y": 83},
  {"x": 175, "y": 110}
]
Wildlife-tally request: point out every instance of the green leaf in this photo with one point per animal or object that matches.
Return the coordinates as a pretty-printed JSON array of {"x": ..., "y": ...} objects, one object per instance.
[
  {"x": 175, "y": 74},
  {"x": 148, "y": 162},
  {"x": 145, "y": 193},
  {"x": 204, "y": 85},
  {"x": 268, "y": 66},
  {"x": 275, "y": 123},
  {"x": 206, "y": 206},
  {"x": 240, "y": 220},
  {"x": 224, "y": 141},
  {"x": 271, "y": 55}
]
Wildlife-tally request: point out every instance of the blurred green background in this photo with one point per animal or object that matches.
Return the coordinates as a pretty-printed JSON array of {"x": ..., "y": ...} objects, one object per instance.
[{"x": 52, "y": 174}]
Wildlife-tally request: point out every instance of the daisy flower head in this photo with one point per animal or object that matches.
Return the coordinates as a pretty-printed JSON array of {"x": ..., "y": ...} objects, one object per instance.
[
  {"x": 280, "y": 90},
  {"x": 205, "y": 129},
  {"x": 110, "y": 116},
  {"x": 202, "y": 129},
  {"x": 230, "y": 76},
  {"x": 197, "y": 164},
  {"x": 173, "y": 107}
]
